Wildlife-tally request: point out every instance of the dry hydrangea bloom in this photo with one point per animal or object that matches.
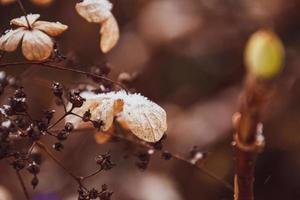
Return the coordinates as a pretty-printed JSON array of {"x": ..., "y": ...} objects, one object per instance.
[
  {"x": 99, "y": 11},
  {"x": 36, "y": 43},
  {"x": 142, "y": 117}
]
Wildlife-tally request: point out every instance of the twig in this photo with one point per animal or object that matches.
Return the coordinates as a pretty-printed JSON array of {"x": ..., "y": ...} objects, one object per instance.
[
  {"x": 92, "y": 174},
  {"x": 78, "y": 179},
  {"x": 57, "y": 67},
  {"x": 23, "y": 185},
  {"x": 248, "y": 139},
  {"x": 24, "y": 13},
  {"x": 173, "y": 155},
  {"x": 50, "y": 154}
]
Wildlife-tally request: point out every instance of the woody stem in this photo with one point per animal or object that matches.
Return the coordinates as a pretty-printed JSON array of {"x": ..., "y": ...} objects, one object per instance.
[{"x": 24, "y": 13}]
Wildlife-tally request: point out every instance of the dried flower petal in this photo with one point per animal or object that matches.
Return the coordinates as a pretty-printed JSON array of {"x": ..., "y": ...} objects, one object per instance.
[
  {"x": 37, "y": 45},
  {"x": 103, "y": 109},
  {"x": 95, "y": 11},
  {"x": 109, "y": 34},
  {"x": 21, "y": 21},
  {"x": 10, "y": 40},
  {"x": 142, "y": 117},
  {"x": 51, "y": 28}
]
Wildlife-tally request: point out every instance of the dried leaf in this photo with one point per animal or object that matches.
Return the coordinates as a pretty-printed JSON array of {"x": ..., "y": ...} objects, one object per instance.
[
  {"x": 109, "y": 34},
  {"x": 11, "y": 39},
  {"x": 95, "y": 11},
  {"x": 36, "y": 45},
  {"x": 51, "y": 28},
  {"x": 21, "y": 21}
]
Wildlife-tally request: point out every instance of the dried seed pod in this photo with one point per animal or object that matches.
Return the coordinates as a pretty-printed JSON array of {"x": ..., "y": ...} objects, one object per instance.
[{"x": 264, "y": 54}]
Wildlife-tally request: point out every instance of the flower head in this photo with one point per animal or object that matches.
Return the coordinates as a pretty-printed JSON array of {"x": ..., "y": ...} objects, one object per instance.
[{"x": 35, "y": 37}]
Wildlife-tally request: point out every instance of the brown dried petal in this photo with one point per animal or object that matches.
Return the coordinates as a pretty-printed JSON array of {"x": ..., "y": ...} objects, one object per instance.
[
  {"x": 51, "y": 28},
  {"x": 95, "y": 11},
  {"x": 144, "y": 118},
  {"x": 10, "y": 40},
  {"x": 21, "y": 21},
  {"x": 109, "y": 34},
  {"x": 102, "y": 109},
  {"x": 37, "y": 45}
]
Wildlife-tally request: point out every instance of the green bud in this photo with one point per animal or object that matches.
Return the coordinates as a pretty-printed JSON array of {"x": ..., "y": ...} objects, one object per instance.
[{"x": 264, "y": 54}]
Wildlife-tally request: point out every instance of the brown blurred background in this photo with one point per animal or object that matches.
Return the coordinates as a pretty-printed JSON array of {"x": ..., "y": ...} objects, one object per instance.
[{"x": 189, "y": 57}]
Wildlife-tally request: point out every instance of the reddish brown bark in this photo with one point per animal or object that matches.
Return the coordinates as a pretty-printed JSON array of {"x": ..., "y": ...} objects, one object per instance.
[{"x": 248, "y": 139}]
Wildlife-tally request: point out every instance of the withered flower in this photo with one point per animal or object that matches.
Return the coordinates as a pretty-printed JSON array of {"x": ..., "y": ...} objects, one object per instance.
[
  {"x": 144, "y": 118},
  {"x": 99, "y": 11},
  {"x": 35, "y": 37}
]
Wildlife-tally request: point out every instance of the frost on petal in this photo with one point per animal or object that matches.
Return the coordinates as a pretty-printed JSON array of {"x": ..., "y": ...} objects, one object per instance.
[
  {"x": 42, "y": 2},
  {"x": 143, "y": 118},
  {"x": 51, "y": 28},
  {"x": 36, "y": 45},
  {"x": 21, "y": 21},
  {"x": 11, "y": 39},
  {"x": 95, "y": 11},
  {"x": 109, "y": 34}
]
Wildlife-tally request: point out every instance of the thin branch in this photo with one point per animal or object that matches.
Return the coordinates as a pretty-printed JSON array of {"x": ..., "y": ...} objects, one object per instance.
[
  {"x": 248, "y": 139},
  {"x": 23, "y": 185},
  {"x": 92, "y": 174},
  {"x": 57, "y": 67},
  {"x": 24, "y": 13},
  {"x": 59, "y": 120},
  {"x": 177, "y": 157},
  {"x": 50, "y": 154},
  {"x": 173, "y": 155}
]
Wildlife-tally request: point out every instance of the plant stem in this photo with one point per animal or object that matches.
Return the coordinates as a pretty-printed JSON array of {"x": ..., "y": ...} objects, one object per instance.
[
  {"x": 24, "y": 13},
  {"x": 23, "y": 185},
  {"x": 57, "y": 67},
  {"x": 248, "y": 139}
]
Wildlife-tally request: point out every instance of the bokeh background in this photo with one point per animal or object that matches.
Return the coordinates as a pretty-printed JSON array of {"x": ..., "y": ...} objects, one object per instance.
[{"x": 189, "y": 58}]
